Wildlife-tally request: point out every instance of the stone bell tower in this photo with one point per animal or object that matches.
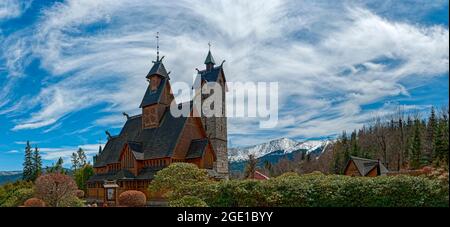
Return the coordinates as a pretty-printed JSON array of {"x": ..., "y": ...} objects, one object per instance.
[{"x": 216, "y": 126}]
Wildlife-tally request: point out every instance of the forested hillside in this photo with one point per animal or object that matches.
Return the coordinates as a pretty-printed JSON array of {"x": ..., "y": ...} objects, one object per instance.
[{"x": 401, "y": 141}]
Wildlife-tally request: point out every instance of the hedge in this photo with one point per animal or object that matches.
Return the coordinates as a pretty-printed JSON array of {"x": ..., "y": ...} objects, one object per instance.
[
  {"x": 319, "y": 190},
  {"x": 188, "y": 201}
]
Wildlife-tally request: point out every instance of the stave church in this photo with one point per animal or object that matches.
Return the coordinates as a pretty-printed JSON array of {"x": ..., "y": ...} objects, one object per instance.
[{"x": 155, "y": 138}]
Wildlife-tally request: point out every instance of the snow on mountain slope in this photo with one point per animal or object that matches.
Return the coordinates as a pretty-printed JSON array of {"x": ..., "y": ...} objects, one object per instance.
[{"x": 284, "y": 145}]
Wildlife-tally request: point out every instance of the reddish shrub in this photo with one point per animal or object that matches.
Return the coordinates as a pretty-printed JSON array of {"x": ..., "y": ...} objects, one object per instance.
[
  {"x": 427, "y": 169},
  {"x": 79, "y": 194},
  {"x": 34, "y": 202},
  {"x": 56, "y": 189},
  {"x": 132, "y": 198}
]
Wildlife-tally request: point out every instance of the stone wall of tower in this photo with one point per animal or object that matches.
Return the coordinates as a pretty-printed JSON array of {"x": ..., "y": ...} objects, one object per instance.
[{"x": 216, "y": 129}]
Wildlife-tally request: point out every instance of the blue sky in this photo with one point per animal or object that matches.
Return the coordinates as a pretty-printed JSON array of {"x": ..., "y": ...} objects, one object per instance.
[{"x": 68, "y": 69}]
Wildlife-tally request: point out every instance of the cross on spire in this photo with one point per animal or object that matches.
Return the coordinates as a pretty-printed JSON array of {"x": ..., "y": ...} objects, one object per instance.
[
  {"x": 157, "y": 46},
  {"x": 209, "y": 44}
]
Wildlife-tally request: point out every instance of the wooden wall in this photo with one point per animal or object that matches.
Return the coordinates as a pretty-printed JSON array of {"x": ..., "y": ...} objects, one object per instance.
[{"x": 351, "y": 170}]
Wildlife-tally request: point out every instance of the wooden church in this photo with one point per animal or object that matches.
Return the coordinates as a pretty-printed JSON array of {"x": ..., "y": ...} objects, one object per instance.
[{"x": 155, "y": 138}]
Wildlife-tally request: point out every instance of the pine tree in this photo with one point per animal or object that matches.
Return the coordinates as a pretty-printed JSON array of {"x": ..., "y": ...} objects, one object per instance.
[
  {"x": 37, "y": 163},
  {"x": 354, "y": 143},
  {"x": 27, "y": 173},
  {"x": 441, "y": 148},
  {"x": 416, "y": 147},
  {"x": 430, "y": 137},
  {"x": 251, "y": 167},
  {"x": 268, "y": 166},
  {"x": 81, "y": 157},
  {"x": 57, "y": 167},
  {"x": 75, "y": 163}
]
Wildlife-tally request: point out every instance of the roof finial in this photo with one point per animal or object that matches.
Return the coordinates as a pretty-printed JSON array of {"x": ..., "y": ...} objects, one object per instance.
[
  {"x": 209, "y": 44},
  {"x": 157, "y": 46}
]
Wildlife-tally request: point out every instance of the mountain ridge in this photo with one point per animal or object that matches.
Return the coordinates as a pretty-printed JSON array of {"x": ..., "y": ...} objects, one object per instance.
[{"x": 285, "y": 145}]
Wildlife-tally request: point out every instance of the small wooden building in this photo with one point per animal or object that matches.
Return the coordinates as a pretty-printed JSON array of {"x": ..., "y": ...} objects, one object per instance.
[
  {"x": 260, "y": 176},
  {"x": 364, "y": 167}
]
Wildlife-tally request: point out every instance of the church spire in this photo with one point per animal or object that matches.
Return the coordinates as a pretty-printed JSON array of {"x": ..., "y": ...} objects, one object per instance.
[
  {"x": 209, "y": 61},
  {"x": 157, "y": 46}
]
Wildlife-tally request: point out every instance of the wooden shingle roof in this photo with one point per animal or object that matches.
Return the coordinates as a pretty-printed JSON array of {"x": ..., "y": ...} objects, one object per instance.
[{"x": 364, "y": 165}]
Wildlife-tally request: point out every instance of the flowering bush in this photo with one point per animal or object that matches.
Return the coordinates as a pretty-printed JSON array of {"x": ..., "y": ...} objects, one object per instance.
[
  {"x": 79, "y": 194},
  {"x": 34, "y": 202},
  {"x": 132, "y": 198},
  {"x": 57, "y": 190}
]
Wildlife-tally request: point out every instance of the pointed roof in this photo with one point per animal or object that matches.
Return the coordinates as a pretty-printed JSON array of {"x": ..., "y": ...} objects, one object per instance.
[
  {"x": 146, "y": 143},
  {"x": 365, "y": 165},
  {"x": 153, "y": 97},
  {"x": 157, "y": 69},
  {"x": 209, "y": 59}
]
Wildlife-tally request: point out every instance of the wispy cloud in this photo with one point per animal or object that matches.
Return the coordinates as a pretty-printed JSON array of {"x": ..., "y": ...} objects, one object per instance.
[
  {"x": 65, "y": 152},
  {"x": 12, "y": 152},
  {"x": 330, "y": 58},
  {"x": 13, "y": 8}
]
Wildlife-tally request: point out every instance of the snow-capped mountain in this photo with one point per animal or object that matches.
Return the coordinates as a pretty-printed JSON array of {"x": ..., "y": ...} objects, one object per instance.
[
  {"x": 277, "y": 147},
  {"x": 9, "y": 176}
]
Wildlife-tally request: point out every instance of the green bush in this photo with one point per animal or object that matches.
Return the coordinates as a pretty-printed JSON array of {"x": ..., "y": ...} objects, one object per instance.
[
  {"x": 312, "y": 190},
  {"x": 188, "y": 201},
  {"x": 15, "y": 194},
  {"x": 177, "y": 177},
  {"x": 332, "y": 191}
]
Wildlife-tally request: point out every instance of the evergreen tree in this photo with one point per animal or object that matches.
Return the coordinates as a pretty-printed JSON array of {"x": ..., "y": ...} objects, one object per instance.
[
  {"x": 441, "y": 148},
  {"x": 251, "y": 167},
  {"x": 337, "y": 163},
  {"x": 81, "y": 157},
  {"x": 75, "y": 163},
  {"x": 268, "y": 167},
  {"x": 416, "y": 147},
  {"x": 354, "y": 143},
  {"x": 27, "y": 173},
  {"x": 37, "y": 163},
  {"x": 430, "y": 137},
  {"x": 57, "y": 167},
  {"x": 344, "y": 140},
  {"x": 82, "y": 175}
]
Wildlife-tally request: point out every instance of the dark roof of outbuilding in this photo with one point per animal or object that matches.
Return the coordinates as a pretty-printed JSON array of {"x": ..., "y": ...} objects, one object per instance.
[
  {"x": 364, "y": 165},
  {"x": 197, "y": 148},
  {"x": 153, "y": 97}
]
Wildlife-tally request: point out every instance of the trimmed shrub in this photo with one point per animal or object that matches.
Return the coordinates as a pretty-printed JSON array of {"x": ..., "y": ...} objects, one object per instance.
[
  {"x": 79, "y": 194},
  {"x": 132, "y": 198},
  {"x": 177, "y": 177},
  {"x": 188, "y": 201},
  {"x": 34, "y": 202}
]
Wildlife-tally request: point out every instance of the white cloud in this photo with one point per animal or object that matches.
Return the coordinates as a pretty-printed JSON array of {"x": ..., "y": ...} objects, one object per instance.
[
  {"x": 13, "y": 8},
  {"x": 330, "y": 59},
  {"x": 53, "y": 154}
]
